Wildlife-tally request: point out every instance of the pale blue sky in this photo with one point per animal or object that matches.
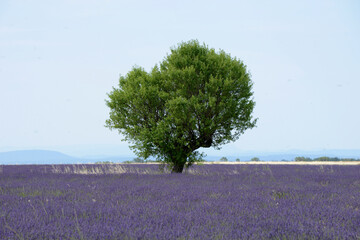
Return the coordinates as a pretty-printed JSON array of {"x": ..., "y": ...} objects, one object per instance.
[{"x": 58, "y": 59}]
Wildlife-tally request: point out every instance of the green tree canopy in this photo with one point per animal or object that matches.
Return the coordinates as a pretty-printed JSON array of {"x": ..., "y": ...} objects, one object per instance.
[
  {"x": 196, "y": 97},
  {"x": 223, "y": 159}
]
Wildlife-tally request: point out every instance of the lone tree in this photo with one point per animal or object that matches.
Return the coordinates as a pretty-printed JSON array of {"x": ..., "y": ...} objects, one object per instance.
[{"x": 195, "y": 98}]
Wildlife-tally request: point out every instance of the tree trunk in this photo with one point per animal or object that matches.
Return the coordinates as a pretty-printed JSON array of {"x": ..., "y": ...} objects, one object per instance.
[{"x": 178, "y": 168}]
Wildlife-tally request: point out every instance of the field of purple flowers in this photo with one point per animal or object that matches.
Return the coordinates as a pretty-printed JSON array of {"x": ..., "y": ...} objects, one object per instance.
[{"x": 208, "y": 202}]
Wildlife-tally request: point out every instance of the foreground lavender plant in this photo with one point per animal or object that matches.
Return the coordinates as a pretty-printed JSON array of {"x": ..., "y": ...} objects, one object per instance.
[{"x": 209, "y": 202}]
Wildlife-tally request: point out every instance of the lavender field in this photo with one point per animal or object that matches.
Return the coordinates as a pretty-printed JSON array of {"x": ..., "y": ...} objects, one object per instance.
[{"x": 207, "y": 202}]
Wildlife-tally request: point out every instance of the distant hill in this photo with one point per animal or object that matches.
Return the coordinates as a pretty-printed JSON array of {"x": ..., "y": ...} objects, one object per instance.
[
  {"x": 53, "y": 157},
  {"x": 36, "y": 157}
]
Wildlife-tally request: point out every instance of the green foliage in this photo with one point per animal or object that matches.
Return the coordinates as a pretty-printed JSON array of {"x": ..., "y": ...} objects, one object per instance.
[
  {"x": 138, "y": 160},
  {"x": 224, "y": 159},
  {"x": 324, "y": 159},
  {"x": 195, "y": 98},
  {"x": 302, "y": 159},
  {"x": 255, "y": 159},
  {"x": 237, "y": 160}
]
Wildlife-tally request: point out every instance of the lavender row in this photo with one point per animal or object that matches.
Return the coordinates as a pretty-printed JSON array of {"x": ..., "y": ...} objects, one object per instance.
[{"x": 208, "y": 202}]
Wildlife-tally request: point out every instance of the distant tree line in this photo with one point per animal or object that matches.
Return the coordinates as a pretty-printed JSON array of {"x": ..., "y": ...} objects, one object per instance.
[
  {"x": 254, "y": 159},
  {"x": 225, "y": 159},
  {"x": 324, "y": 159}
]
